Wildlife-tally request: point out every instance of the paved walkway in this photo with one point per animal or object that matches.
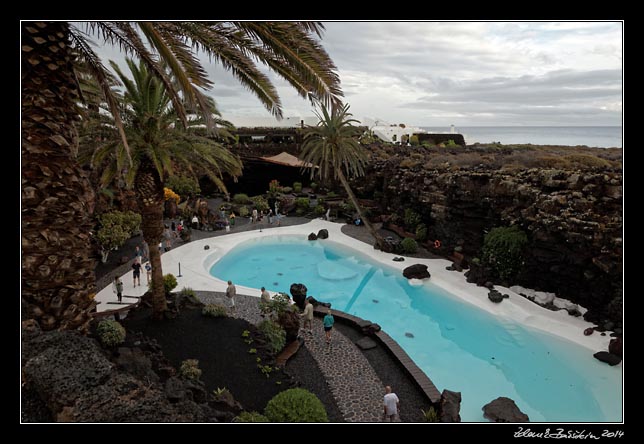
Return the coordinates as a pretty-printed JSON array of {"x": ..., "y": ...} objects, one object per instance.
[{"x": 355, "y": 386}]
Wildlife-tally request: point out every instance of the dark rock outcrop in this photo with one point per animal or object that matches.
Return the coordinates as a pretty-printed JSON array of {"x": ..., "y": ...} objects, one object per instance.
[
  {"x": 589, "y": 331},
  {"x": 615, "y": 347},
  {"x": 315, "y": 302},
  {"x": 495, "y": 296},
  {"x": 570, "y": 213},
  {"x": 504, "y": 410},
  {"x": 313, "y": 236},
  {"x": 450, "y": 406},
  {"x": 298, "y": 292},
  {"x": 608, "y": 358},
  {"x": 416, "y": 271},
  {"x": 323, "y": 234},
  {"x": 136, "y": 363}
]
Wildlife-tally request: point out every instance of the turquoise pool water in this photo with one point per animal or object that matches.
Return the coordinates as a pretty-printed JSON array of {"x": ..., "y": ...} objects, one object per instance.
[{"x": 459, "y": 346}]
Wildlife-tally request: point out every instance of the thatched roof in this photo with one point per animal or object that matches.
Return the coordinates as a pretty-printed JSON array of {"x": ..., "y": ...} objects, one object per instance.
[{"x": 287, "y": 159}]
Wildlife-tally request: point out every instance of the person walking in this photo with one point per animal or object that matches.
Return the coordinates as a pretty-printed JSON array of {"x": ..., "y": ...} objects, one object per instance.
[
  {"x": 167, "y": 236},
  {"x": 307, "y": 317},
  {"x": 328, "y": 322},
  {"x": 138, "y": 254},
  {"x": 391, "y": 404},
  {"x": 136, "y": 271},
  {"x": 117, "y": 287},
  {"x": 231, "y": 291}
]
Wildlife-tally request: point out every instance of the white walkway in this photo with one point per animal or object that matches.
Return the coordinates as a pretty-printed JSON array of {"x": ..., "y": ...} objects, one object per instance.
[{"x": 195, "y": 263}]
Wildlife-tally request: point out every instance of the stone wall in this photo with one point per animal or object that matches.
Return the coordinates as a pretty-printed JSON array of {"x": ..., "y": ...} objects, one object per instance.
[{"x": 573, "y": 220}]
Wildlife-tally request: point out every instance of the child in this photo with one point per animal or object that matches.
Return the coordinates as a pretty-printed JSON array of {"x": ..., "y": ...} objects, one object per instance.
[{"x": 117, "y": 287}]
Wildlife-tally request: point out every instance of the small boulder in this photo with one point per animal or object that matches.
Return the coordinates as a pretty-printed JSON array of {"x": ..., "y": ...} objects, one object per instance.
[
  {"x": 313, "y": 236},
  {"x": 366, "y": 343},
  {"x": 504, "y": 409},
  {"x": 608, "y": 358},
  {"x": 615, "y": 347},
  {"x": 450, "y": 406},
  {"x": 409, "y": 334},
  {"x": 398, "y": 259},
  {"x": 495, "y": 296},
  {"x": 323, "y": 234},
  {"x": 416, "y": 271},
  {"x": 206, "y": 247},
  {"x": 489, "y": 285},
  {"x": 589, "y": 331},
  {"x": 174, "y": 390}
]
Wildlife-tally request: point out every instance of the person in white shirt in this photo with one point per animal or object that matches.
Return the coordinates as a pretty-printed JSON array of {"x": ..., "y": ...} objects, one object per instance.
[
  {"x": 391, "y": 404},
  {"x": 231, "y": 292},
  {"x": 307, "y": 315}
]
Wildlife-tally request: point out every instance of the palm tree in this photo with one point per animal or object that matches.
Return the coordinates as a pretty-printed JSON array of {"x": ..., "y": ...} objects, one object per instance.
[
  {"x": 332, "y": 147},
  {"x": 58, "y": 283},
  {"x": 157, "y": 146}
]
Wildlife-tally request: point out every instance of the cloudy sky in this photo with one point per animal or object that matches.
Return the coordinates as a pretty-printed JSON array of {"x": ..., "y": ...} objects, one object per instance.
[{"x": 463, "y": 73}]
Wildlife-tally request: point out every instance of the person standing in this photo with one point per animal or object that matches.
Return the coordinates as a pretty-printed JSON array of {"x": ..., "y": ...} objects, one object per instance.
[
  {"x": 167, "y": 235},
  {"x": 117, "y": 287},
  {"x": 232, "y": 219},
  {"x": 254, "y": 217},
  {"x": 136, "y": 271},
  {"x": 195, "y": 221},
  {"x": 231, "y": 291},
  {"x": 328, "y": 322},
  {"x": 148, "y": 272},
  {"x": 270, "y": 216},
  {"x": 391, "y": 404},
  {"x": 307, "y": 316}
]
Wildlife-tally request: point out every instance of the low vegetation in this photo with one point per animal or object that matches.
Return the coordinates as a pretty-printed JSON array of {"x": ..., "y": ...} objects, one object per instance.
[
  {"x": 295, "y": 405},
  {"x": 274, "y": 334},
  {"x": 214, "y": 311},
  {"x": 190, "y": 369},
  {"x": 110, "y": 333},
  {"x": 503, "y": 250}
]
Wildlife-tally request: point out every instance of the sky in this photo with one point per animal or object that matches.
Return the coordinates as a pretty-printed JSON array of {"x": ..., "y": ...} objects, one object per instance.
[{"x": 461, "y": 73}]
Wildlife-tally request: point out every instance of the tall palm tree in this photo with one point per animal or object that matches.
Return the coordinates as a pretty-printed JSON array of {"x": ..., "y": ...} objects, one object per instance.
[
  {"x": 332, "y": 146},
  {"x": 157, "y": 146},
  {"x": 57, "y": 202}
]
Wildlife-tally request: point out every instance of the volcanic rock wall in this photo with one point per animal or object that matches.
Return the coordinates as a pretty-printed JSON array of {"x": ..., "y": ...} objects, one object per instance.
[{"x": 573, "y": 220}]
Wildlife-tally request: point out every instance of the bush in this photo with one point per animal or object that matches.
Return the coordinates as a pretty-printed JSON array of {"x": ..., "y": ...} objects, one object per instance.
[
  {"x": 412, "y": 219},
  {"x": 413, "y": 140},
  {"x": 169, "y": 283},
  {"x": 278, "y": 304},
  {"x": 243, "y": 212},
  {"x": 110, "y": 333},
  {"x": 260, "y": 203},
  {"x": 190, "y": 369},
  {"x": 314, "y": 186},
  {"x": 421, "y": 232},
  {"x": 587, "y": 161},
  {"x": 115, "y": 228},
  {"x": 430, "y": 415},
  {"x": 241, "y": 199},
  {"x": 169, "y": 194},
  {"x": 287, "y": 190},
  {"x": 187, "y": 291},
  {"x": 250, "y": 417},
  {"x": 409, "y": 245},
  {"x": 503, "y": 250},
  {"x": 297, "y": 187},
  {"x": 319, "y": 210},
  {"x": 183, "y": 185},
  {"x": 214, "y": 311},
  {"x": 274, "y": 334},
  {"x": 274, "y": 187},
  {"x": 295, "y": 405}
]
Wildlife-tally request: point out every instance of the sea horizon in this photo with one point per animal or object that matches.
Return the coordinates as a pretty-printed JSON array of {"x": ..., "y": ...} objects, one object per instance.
[{"x": 592, "y": 136}]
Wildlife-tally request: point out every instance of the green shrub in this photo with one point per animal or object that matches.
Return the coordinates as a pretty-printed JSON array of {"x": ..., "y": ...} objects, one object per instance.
[
  {"x": 250, "y": 417},
  {"x": 331, "y": 194},
  {"x": 214, "y": 311},
  {"x": 297, "y": 187},
  {"x": 413, "y": 140},
  {"x": 260, "y": 203},
  {"x": 169, "y": 283},
  {"x": 280, "y": 303},
  {"x": 430, "y": 415},
  {"x": 183, "y": 185},
  {"x": 295, "y": 405},
  {"x": 241, "y": 199},
  {"x": 303, "y": 203},
  {"x": 503, "y": 250},
  {"x": 412, "y": 219},
  {"x": 314, "y": 186},
  {"x": 451, "y": 142},
  {"x": 187, "y": 291},
  {"x": 287, "y": 190},
  {"x": 115, "y": 228},
  {"x": 274, "y": 334},
  {"x": 190, "y": 369},
  {"x": 421, "y": 232},
  {"x": 319, "y": 210},
  {"x": 110, "y": 333},
  {"x": 409, "y": 245},
  {"x": 243, "y": 212}
]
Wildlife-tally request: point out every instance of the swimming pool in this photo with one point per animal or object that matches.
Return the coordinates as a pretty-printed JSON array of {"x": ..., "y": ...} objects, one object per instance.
[{"x": 461, "y": 347}]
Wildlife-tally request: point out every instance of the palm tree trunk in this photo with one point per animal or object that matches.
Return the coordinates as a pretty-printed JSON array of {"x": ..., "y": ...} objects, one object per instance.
[
  {"x": 149, "y": 193},
  {"x": 354, "y": 201},
  {"x": 58, "y": 281}
]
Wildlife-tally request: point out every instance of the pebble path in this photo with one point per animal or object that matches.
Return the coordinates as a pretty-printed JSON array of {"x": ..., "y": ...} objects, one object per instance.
[{"x": 355, "y": 386}]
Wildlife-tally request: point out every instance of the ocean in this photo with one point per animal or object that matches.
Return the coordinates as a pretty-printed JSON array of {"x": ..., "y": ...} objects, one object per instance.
[{"x": 592, "y": 136}]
